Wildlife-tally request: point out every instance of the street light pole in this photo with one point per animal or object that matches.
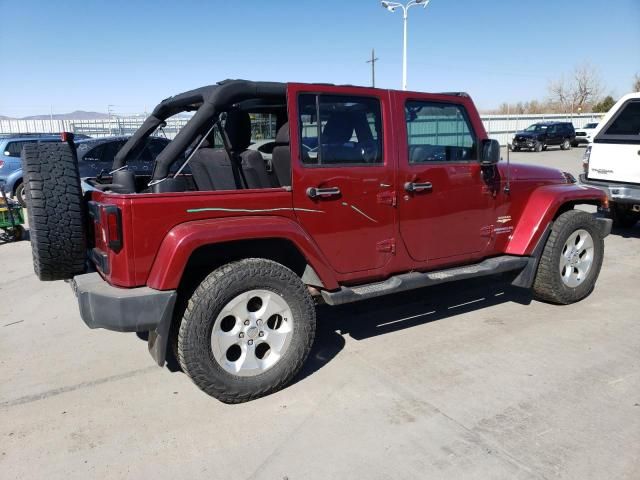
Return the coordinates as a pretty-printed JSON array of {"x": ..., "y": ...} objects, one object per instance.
[
  {"x": 373, "y": 61},
  {"x": 392, "y": 6}
]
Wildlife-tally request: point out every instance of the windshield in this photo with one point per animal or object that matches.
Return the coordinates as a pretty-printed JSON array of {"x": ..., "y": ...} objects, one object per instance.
[{"x": 536, "y": 127}]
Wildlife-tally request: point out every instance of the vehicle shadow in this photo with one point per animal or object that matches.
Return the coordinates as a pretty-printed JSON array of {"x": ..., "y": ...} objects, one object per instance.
[
  {"x": 392, "y": 313},
  {"x": 402, "y": 311},
  {"x": 633, "y": 232}
]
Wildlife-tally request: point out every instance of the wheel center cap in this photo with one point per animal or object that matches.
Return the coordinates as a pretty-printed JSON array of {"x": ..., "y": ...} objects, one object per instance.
[{"x": 252, "y": 332}]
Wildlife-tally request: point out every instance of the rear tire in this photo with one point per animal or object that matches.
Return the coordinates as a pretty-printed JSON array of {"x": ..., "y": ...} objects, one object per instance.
[
  {"x": 565, "y": 145},
  {"x": 55, "y": 210},
  {"x": 229, "y": 318},
  {"x": 567, "y": 250}
]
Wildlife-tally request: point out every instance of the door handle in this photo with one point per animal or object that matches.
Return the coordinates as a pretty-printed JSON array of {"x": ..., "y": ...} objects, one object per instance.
[
  {"x": 415, "y": 187},
  {"x": 315, "y": 192}
]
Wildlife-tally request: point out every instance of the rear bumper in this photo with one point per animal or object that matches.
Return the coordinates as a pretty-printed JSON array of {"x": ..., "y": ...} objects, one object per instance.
[
  {"x": 616, "y": 192},
  {"x": 121, "y": 309},
  {"x": 140, "y": 309}
]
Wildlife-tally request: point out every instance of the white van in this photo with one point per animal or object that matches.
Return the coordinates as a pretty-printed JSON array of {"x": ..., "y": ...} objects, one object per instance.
[{"x": 612, "y": 161}]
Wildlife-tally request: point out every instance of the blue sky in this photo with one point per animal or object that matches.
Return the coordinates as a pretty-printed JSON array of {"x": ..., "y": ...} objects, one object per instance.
[{"x": 131, "y": 54}]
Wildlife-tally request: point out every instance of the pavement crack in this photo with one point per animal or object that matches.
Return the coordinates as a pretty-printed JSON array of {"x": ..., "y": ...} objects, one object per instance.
[{"x": 71, "y": 388}]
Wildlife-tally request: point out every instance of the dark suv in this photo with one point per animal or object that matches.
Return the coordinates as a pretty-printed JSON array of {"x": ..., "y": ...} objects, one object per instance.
[{"x": 539, "y": 136}]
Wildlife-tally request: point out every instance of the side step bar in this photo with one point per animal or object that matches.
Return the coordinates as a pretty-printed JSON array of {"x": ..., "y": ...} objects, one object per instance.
[{"x": 412, "y": 280}]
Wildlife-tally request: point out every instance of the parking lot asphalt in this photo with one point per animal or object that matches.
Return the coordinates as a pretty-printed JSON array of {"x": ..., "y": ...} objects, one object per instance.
[{"x": 468, "y": 380}]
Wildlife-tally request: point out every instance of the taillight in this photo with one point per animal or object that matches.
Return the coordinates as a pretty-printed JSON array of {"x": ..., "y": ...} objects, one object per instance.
[
  {"x": 585, "y": 159},
  {"x": 66, "y": 136},
  {"x": 112, "y": 224}
]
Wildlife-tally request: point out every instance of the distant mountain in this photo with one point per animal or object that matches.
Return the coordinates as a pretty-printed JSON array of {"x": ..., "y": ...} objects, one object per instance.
[{"x": 77, "y": 115}]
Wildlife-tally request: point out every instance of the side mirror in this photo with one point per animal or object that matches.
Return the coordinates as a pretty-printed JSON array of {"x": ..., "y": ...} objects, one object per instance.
[{"x": 489, "y": 153}]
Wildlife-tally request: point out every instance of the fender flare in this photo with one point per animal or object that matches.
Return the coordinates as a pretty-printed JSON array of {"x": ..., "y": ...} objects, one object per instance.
[
  {"x": 542, "y": 206},
  {"x": 12, "y": 180},
  {"x": 180, "y": 243}
]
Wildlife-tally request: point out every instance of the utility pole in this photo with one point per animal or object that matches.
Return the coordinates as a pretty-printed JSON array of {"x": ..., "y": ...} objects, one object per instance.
[{"x": 373, "y": 61}]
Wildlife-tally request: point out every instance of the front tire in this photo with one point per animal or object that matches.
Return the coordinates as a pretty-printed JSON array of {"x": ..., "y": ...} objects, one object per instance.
[
  {"x": 538, "y": 148},
  {"x": 247, "y": 330},
  {"x": 571, "y": 260}
]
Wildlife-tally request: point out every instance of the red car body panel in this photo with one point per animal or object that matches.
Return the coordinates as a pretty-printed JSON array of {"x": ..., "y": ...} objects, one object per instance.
[
  {"x": 373, "y": 229},
  {"x": 184, "y": 239}
]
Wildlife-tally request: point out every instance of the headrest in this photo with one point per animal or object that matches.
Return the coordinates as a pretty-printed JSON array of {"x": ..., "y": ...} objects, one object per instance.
[
  {"x": 283, "y": 135},
  {"x": 339, "y": 128},
  {"x": 238, "y": 128}
]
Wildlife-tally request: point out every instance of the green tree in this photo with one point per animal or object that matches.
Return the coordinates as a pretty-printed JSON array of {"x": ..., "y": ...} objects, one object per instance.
[
  {"x": 604, "y": 105},
  {"x": 636, "y": 83}
]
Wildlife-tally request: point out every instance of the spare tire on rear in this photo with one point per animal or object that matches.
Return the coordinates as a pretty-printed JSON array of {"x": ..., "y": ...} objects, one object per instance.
[{"x": 55, "y": 210}]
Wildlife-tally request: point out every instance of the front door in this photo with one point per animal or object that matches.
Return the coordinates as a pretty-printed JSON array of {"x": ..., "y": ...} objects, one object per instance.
[
  {"x": 343, "y": 174},
  {"x": 445, "y": 202}
]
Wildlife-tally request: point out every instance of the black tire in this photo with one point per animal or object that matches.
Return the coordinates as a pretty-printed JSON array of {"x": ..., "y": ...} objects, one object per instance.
[
  {"x": 20, "y": 195},
  {"x": 565, "y": 145},
  {"x": 516, "y": 149},
  {"x": 623, "y": 217},
  {"x": 548, "y": 285},
  {"x": 538, "y": 148},
  {"x": 56, "y": 210},
  {"x": 217, "y": 290}
]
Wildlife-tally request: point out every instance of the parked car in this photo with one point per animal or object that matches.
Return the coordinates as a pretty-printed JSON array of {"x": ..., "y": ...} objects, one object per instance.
[
  {"x": 539, "y": 136},
  {"x": 10, "y": 166},
  {"x": 584, "y": 134},
  {"x": 95, "y": 157},
  {"x": 226, "y": 264},
  {"x": 612, "y": 160},
  {"x": 265, "y": 147}
]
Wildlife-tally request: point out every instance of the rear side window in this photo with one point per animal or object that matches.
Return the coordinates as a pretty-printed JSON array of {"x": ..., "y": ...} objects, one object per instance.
[
  {"x": 15, "y": 148},
  {"x": 439, "y": 132},
  {"x": 626, "y": 123},
  {"x": 340, "y": 130}
]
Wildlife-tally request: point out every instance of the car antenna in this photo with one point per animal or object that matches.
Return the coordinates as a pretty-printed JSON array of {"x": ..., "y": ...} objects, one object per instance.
[{"x": 507, "y": 186}]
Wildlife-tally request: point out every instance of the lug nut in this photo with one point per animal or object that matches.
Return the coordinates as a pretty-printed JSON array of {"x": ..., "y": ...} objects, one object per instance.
[
  {"x": 246, "y": 322},
  {"x": 259, "y": 322},
  {"x": 241, "y": 335},
  {"x": 250, "y": 342},
  {"x": 261, "y": 334}
]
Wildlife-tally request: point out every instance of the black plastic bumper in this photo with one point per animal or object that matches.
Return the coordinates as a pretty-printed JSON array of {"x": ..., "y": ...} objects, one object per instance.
[
  {"x": 140, "y": 309},
  {"x": 121, "y": 309}
]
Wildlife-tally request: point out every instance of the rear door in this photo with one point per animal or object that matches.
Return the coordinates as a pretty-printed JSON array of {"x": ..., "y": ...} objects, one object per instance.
[
  {"x": 343, "y": 173},
  {"x": 615, "y": 152},
  {"x": 445, "y": 203},
  {"x": 554, "y": 135}
]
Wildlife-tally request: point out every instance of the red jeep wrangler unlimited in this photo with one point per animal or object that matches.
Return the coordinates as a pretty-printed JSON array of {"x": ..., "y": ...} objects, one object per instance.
[{"x": 221, "y": 251}]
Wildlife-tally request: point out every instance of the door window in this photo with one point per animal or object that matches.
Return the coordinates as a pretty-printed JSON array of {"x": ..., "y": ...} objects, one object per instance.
[
  {"x": 439, "y": 132},
  {"x": 340, "y": 131}
]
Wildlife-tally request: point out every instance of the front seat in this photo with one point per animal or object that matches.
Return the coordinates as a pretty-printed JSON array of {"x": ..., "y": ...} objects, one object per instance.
[
  {"x": 281, "y": 157},
  {"x": 213, "y": 168}
]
